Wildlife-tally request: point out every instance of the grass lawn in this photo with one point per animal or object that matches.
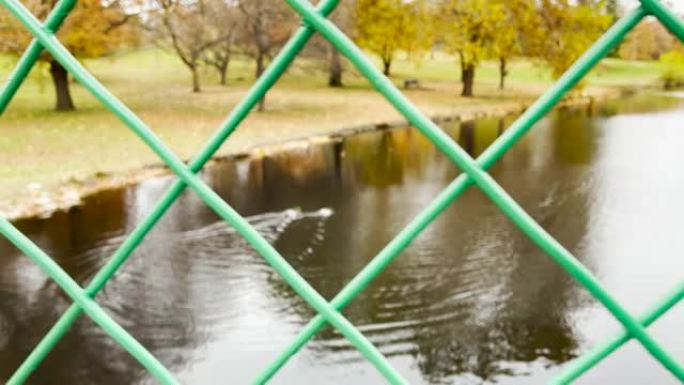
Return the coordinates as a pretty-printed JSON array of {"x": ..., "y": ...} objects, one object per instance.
[{"x": 40, "y": 146}]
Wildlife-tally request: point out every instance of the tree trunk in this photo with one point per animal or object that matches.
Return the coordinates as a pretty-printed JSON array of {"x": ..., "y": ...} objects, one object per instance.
[
  {"x": 223, "y": 73},
  {"x": 387, "y": 66},
  {"x": 503, "y": 72},
  {"x": 195, "y": 80},
  {"x": 468, "y": 78},
  {"x": 260, "y": 70},
  {"x": 335, "y": 78},
  {"x": 259, "y": 64},
  {"x": 60, "y": 78}
]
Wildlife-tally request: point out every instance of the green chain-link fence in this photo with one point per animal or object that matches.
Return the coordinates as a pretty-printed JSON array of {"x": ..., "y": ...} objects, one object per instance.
[{"x": 314, "y": 20}]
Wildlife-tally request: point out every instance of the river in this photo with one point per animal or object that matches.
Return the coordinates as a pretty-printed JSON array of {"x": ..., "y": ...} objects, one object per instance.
[{"x": 471, "y": 301}]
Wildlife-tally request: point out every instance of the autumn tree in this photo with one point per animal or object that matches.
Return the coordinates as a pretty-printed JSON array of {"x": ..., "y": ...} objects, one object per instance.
[
  {"x": 93, "y": 29},
  {"x": 647, "y": 41},
  {"x": 672, "y": 63},
  {"x": 565, "y": 29},
  {"x": 385, "y": 27},
  {"x": 469, "y": 30},
  {"x": 511, "y": 32}
]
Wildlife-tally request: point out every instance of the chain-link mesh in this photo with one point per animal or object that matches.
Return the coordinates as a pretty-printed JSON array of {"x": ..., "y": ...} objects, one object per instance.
[{"x": 314, "y": 20}]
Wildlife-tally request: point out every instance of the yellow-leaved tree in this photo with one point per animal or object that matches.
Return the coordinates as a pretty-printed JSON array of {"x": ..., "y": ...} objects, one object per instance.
[
  {"x": 647, "y": 41},
  {"x": 470, "y": 29},
  {"x": 385, "y": 27},
  {"x": 93, "y": 29},
  {"x": 673, "y": 66},
  {"x": 565, "y": 29},
  {"x": 511, "y": 33}
]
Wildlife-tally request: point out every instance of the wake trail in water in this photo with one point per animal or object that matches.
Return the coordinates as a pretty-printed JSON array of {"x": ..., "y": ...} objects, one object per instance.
[{"x": 216, "y": 239}]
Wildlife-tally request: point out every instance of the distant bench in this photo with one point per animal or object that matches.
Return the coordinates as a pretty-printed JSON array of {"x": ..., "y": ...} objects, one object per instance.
[{"x": 412, "y": 84}]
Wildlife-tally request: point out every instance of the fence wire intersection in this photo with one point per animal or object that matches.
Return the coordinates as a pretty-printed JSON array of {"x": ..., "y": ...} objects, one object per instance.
[{"x": 328, "y": 312}]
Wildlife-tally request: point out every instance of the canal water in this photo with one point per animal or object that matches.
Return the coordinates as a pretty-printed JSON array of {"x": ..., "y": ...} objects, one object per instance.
[{"x": 471, "y": 301}]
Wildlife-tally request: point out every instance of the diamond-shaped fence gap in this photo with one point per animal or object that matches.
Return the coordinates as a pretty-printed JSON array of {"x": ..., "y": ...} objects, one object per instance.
[{"x": 457, "y": 155}]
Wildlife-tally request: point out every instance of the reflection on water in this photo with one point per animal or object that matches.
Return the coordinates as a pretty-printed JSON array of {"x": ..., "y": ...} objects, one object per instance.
[{"x": 471, "y": 301}]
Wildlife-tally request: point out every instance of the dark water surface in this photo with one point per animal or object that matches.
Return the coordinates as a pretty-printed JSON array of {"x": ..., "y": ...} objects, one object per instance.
[{"x": 472, "y": 301}]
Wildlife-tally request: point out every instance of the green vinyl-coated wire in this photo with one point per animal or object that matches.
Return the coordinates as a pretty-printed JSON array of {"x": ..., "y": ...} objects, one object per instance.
[{"x": 328, "y": 313}]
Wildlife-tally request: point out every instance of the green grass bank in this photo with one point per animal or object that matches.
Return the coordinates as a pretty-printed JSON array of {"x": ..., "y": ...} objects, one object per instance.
[{"x": 49, "y": 160}]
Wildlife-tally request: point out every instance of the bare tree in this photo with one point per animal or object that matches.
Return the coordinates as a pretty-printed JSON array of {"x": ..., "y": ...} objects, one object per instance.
[
  {"x": 223, "y": 21},
  {"x": 324, "y": 55},
  {"x": 336, "y": 68},
  {"x": 344, "y": 19},
  {"x": 268, "y": 24},
  {"x": 185, "y": 25}
]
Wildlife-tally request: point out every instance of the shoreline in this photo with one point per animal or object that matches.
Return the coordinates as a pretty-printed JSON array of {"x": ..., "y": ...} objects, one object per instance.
[{"x": 39, "y": 203}]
